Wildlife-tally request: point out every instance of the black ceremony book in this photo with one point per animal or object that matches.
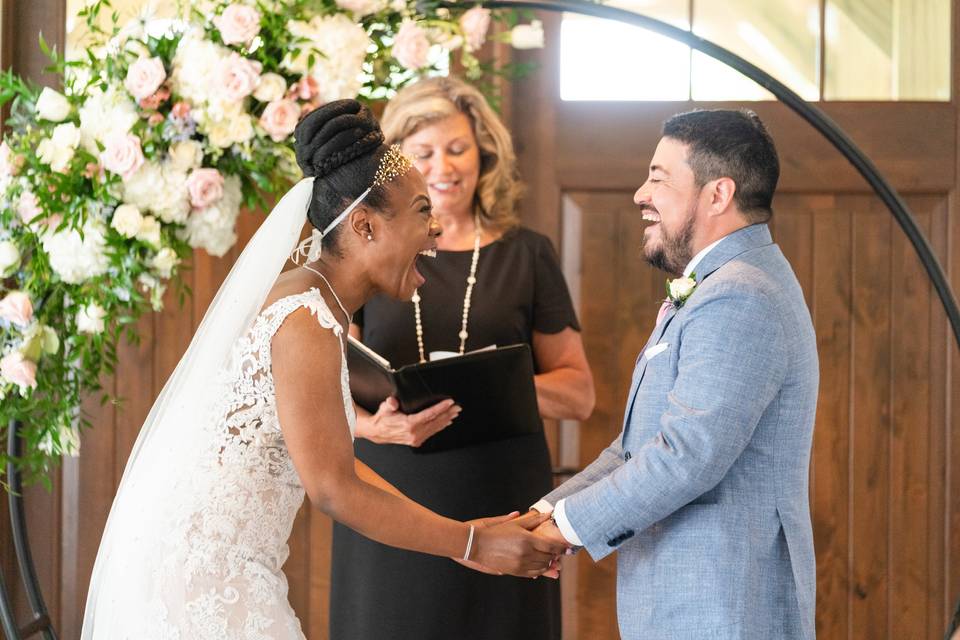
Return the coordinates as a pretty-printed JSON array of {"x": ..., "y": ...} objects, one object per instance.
[{"x": 494, "y": 387}]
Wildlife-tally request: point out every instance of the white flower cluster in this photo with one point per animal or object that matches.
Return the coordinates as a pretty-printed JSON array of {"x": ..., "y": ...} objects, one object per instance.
[
  {"x": 213, "y": 228},
  {"x": 77, "y": 258},
  {"x": 338, "y": 46}
]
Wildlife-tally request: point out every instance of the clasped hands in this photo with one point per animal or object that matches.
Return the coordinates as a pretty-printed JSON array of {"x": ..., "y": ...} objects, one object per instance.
[{"x": 528, "y": 545}]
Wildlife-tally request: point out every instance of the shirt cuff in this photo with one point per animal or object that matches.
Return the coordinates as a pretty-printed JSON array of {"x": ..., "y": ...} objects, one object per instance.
[
  {"x": 543, "y": 506},
  {"x": 560, "y": 517}
]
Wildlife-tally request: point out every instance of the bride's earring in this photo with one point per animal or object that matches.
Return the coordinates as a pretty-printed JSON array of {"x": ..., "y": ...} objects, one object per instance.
[{"x": 370, "y": 236}]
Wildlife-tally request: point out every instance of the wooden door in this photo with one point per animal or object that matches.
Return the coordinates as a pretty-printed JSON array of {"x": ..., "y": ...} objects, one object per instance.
[{"x": 884, "y": 485}]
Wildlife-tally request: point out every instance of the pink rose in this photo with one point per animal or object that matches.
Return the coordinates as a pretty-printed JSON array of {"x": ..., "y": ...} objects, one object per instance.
[
  {"x": 205, "y": 187},
  {"x": 280, "y": 118},
  {"x": 17, "y": 308},
  {"x": 475, "y": 24},
  {"x": 307, "y": 89},
  {"x": 411, "y": 46},
  {"x": 28, "y": 207},
  {"x": 144, "y": 77},
  {"x": 238, "y": 77},
  {"x": 238, "y": 24},
  {"x": 181, "y": 110},
  {"x": 9, "y": 163},
  {"x": 122, "y": 154},
  {"x": 17, "y": 369},
  {"x": 155, "y": 119}
]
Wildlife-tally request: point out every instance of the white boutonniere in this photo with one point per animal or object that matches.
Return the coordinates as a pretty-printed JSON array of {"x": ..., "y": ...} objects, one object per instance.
[{"x": 679, "y": 289}]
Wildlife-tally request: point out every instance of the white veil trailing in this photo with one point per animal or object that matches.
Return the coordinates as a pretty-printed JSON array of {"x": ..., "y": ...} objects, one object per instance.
[{"x": 165, "y": 450}]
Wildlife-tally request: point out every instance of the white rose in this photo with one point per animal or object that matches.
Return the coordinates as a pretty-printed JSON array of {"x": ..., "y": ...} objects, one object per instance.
[
  {"x": 681, "y": 288},
  {"x": 238, "y": 24},
  {"x": 144, "y": 77},
  {"x": 127, "y": 220},
  {"x": 272, "y": 87},
  {"x": 75, "y": 258},
  {"x": 362, "y": 8},
  {"x": 527, "y": 36},
  {"x": 9, "y": 258},
  {"x": 90, "y": 319},
  {"x": 57, "y": 150},
  {"x": 57, "y": 157},
  {"x": 52, "y": 106},
  {"x": 185, "y": 155},
  {"x": 164, "y": 262},
  {"x": 149, "y": 231}
]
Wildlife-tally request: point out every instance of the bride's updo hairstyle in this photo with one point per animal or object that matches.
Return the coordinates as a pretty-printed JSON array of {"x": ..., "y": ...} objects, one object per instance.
[{"x": 340, "y": 145}]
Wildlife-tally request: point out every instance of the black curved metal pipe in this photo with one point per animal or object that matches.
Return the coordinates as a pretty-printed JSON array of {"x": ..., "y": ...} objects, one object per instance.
[
  {"x": 18, "y": 523},
  {"x": 814, "y": 116}
]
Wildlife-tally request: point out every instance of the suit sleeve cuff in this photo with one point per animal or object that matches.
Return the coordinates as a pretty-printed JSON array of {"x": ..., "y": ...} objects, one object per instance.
[
  {"x": 560, "y": 517},
  {"x": 543, "y": 506}
]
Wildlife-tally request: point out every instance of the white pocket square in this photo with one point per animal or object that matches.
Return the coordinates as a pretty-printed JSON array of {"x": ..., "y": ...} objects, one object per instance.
[{"x": 655, "y": 350}]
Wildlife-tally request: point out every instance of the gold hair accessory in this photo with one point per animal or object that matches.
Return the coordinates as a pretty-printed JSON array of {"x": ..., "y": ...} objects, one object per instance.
[{"x": 393, "y": 164}]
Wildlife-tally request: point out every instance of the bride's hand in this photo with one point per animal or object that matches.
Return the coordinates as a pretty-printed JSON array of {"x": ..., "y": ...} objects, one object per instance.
[
  {"x": 391, "y": 426},
  {"x": 483, "y": 523},
  {"x": 509, "y": 546}
]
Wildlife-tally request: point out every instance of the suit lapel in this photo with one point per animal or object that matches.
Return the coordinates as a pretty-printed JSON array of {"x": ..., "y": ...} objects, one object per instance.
[{"x": 736, "y": 243}]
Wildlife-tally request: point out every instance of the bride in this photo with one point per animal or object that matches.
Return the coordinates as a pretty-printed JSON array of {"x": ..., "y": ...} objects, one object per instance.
[{"x": 258, "y": 412}]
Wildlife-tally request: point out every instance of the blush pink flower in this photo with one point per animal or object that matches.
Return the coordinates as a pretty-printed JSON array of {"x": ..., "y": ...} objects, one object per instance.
[
  {"x": 181, "y": 110},
  {"x": 15, "y": 368},
  {"x": 144, "y": 77},
  {"x": 205, "y": 187},
  {"x": 411, "y": 45},
  {"x": 280, "y": 118},
  {"x": 238, "y": 77},
  {"x": 122, "y": 154},
  {"x": 238, "y": 24},
  {"x": 17, "y": 308},
  {"x": 475, "y": 24}
]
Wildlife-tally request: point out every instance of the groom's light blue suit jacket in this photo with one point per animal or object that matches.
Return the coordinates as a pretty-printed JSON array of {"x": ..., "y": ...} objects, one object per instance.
[{"x": 705, "y": 493}]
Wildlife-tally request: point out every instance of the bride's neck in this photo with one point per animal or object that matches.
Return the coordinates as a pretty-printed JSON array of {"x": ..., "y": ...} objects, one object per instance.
[{"x": 339, "y": 285}]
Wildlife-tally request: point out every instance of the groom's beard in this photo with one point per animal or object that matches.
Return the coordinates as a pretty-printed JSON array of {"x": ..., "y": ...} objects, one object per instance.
[{"x": 674, "y": 252}]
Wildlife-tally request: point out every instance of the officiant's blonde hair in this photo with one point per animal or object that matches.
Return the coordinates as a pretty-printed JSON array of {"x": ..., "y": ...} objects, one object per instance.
[{"x": 430, "y": 100}]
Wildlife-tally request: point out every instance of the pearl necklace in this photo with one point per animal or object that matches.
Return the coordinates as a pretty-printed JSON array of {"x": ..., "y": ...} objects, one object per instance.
[{"x": 471, "y": 280}]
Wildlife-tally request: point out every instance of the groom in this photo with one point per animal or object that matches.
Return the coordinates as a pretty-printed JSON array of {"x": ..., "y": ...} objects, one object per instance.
[{"x": 705, "y": 492}]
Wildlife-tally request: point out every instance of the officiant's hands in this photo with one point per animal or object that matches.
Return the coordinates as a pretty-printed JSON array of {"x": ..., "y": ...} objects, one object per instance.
[
  {"x": 506, "y": 544},
  {"x": 389, "y": 425}
]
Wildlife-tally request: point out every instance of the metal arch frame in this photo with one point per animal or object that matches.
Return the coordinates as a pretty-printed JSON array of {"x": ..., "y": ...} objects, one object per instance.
[
  {"x": 41, "y": 622},
  {"x": 810, "y": 113},
  {"x": 814, "y": 116}
]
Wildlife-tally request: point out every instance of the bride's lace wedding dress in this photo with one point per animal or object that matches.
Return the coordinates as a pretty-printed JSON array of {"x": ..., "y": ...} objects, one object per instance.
[{"x": 217, "y": 574}]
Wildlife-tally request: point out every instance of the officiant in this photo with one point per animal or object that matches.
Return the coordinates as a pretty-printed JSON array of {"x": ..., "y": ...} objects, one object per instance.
[{"x": 493, "y": 282}]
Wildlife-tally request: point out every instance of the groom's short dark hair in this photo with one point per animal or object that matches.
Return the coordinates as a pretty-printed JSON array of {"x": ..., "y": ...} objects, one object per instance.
[{"x": 725, "y": 143}]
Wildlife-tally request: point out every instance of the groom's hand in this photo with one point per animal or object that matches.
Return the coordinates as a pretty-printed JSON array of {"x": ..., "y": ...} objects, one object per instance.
[{"x": 549, "y": 530}]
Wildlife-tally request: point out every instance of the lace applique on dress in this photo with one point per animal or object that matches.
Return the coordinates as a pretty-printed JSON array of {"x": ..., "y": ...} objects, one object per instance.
[{"x": 219, "y": 575}]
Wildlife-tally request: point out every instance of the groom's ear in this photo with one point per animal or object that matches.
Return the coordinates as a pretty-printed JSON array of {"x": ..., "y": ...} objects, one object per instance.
[{"x": 721, "y": 193}]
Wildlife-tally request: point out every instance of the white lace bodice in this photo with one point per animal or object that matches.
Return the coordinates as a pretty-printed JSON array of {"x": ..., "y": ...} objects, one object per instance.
[{"x": 221, "y": 573}]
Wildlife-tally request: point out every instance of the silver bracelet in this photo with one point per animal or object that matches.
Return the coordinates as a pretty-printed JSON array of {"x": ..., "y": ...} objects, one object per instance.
[{"x": 466, "y": 556}]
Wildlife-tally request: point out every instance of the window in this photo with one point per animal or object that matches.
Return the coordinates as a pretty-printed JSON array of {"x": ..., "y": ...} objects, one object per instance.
[{"x": 821, "y": 49}]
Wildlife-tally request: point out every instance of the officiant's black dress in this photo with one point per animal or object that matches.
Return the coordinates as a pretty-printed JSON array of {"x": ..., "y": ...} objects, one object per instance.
[{"x": 383, "y": 593}]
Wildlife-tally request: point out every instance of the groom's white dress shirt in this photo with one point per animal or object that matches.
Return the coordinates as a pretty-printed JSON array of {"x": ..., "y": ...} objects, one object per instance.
[{"x": 559, "y": 515}]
